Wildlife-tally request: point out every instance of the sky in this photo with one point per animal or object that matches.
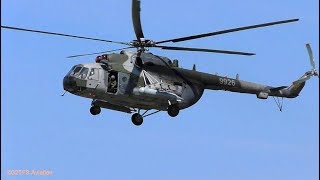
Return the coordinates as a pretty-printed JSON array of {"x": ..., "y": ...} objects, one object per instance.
[{"x": 224, "y": 136}]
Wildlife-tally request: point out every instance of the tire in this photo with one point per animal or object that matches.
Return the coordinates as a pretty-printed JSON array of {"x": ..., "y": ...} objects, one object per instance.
[
  {"x": 95, "y": 110},
  {"x": 173, "y": 110},
  {"x": 137, "y": 119}
]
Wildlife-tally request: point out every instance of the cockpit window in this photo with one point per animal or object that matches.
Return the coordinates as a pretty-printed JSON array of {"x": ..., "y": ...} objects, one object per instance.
[
  {"x": 91, "y": 72},
  {"x": 94, "y": 74},
  {"x": 76, "y": 70},
  {"x": 71, "y": 70},
  {"x": 84, "y": 72}
]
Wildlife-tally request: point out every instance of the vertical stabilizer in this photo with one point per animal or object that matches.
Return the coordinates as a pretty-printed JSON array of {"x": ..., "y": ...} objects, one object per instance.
[{"x": 295, "y": 89}]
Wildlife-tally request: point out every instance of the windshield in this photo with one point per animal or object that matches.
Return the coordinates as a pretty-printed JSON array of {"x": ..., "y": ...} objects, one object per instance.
[
  {"x": 71, "y": 70},
  {"x": 76, "y": 70},
  {"x": 79, "y": 71},
  {"x": 83, "y": 73}
]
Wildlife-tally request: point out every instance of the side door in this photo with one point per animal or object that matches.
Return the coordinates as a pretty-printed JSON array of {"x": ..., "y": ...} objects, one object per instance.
[
  {"x": 124, "y": 80},
  {"x": 113, "y": 82}
]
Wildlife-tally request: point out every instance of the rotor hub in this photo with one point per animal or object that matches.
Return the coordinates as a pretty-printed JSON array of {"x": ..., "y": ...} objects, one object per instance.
[{"x": 143, "y": 43}]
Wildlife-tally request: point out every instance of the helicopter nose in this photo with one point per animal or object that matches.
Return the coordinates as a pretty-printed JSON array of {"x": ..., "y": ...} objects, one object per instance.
[{"x": 69, "y": 84}]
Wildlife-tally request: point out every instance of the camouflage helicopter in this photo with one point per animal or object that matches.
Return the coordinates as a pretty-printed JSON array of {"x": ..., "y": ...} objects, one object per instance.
[{"x": 134, "y": 81}]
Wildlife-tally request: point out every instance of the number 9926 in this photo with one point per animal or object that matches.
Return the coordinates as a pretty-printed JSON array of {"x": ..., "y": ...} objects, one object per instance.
[{"x": 227, "y": 82}]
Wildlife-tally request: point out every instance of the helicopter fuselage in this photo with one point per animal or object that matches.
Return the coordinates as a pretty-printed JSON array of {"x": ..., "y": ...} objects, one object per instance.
[
  {"x": 130, "y": 81},
  {"x": 121, "y": 81}
]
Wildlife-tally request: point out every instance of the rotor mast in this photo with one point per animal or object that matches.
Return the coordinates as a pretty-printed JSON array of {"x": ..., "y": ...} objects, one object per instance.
[{"x": 141, "y": 43}]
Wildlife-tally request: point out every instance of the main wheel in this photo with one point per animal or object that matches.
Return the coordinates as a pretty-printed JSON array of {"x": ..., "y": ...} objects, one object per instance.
[
  {"x": 95, "y": 110},
  {"x": 173, "y": 110},
  {"x": 137, "y": 119}
]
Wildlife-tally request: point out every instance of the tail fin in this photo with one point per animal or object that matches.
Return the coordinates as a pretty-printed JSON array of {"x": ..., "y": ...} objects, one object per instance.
[
  {"x": 295, "y": 89},
  {"x": 297, "y": 86},
  {"x": 288, "y": 92}
]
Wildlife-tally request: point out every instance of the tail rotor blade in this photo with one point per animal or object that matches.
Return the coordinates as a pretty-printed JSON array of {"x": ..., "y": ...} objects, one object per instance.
[{"x": 311, "y": 56}]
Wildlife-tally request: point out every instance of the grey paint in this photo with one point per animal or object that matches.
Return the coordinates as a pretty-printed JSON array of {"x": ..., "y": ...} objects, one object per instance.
[{"x": 187, "y": 85}]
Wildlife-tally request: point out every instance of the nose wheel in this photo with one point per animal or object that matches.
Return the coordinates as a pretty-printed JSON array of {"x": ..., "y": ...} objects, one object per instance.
[
  {"x": 95, "y": 110},
  {"x": 173, "y": 110}
]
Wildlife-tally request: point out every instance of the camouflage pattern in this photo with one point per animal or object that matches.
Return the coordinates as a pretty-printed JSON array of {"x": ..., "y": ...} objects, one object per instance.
[
  {"x": 131, "y": 81},
  {"x": 154, "y": 82}
]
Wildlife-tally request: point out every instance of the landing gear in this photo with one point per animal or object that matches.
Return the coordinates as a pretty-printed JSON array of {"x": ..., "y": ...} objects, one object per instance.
[
  {"x": 95, "y": 110},
  {"x": 137, "y": 119},
  {"x": 173, "y": 110}
]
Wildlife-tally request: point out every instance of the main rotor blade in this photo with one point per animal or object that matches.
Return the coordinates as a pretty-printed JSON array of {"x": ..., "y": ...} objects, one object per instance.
[
  {"x": 204, "y": 50},
  {"x": 89, "y": 54},
  {"x": 136, "y": 19},
  {"x": 227, "y": 31},
  {"x": 60, "y": 34}
]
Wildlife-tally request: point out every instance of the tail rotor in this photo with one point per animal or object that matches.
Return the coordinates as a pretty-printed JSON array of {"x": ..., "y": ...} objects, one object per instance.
[{"x": 312, "y": 72}]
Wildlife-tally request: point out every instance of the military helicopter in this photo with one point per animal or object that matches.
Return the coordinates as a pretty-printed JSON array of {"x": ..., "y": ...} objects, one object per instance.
[{"x": 132, "y": 82}]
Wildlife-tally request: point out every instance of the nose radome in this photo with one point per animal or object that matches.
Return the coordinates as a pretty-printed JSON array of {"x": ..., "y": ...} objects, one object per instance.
[{"x": 69, "y": 84}]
